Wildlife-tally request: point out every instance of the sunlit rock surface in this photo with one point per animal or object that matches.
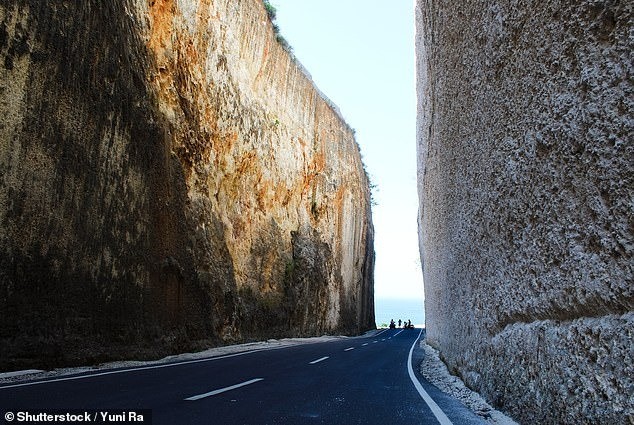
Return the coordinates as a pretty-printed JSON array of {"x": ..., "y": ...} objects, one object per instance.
[
  {"x": 170, "y": 178},
  {"x": 526, "y": 183}
]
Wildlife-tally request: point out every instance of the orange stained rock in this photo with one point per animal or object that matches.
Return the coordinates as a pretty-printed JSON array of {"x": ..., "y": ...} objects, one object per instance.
[{"x": 161, "y": 27}]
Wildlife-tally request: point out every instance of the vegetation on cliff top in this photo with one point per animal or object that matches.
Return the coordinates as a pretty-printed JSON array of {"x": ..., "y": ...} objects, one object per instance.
[{"x": 272, "y": 12}]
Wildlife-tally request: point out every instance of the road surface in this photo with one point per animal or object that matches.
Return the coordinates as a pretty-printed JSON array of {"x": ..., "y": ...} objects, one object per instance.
[{"x": 360, "y": 380}]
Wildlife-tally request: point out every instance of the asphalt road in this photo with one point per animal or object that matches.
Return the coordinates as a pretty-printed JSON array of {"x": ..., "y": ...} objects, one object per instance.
[{"x": 361, "y": 380}]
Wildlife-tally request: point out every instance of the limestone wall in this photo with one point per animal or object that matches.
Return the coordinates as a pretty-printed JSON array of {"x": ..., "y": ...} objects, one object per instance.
[
  {"x": 170, "y": 179},
  {"x": 526, "y": 183}
]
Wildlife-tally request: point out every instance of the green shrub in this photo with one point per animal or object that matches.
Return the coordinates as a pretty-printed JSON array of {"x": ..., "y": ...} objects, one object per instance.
[{"x": 272, "y": 12}]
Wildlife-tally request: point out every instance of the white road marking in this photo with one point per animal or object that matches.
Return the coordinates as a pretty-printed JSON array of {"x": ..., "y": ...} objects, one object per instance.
[
  {"x": 160, "y": 366},
  {"x": 363, "y": 345},
  {"x": 384, "y": 330},
  {"x": 383, "y": 339},
  {"x": 223, "y": 390},
  {"x": 437, "y": 411},
  {"x": 374, "y": 342},
  {"x": 319, "y": 360},
  {"x": 399, "y": 332},
  {"x": 348, "y": 349}
]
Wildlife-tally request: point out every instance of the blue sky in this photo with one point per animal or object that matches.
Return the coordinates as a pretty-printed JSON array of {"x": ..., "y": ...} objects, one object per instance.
[{"x": 360, "y": 54}]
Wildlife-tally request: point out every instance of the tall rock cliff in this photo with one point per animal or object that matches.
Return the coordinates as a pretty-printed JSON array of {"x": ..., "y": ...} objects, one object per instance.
[
  {"x": 526, "y": 183},
  {"x": 170, "y": 178}
]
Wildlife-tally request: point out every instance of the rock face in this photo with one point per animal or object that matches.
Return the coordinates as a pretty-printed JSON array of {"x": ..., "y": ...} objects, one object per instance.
[
  {"x": 169, "y": 178},
  {"x": 526, "y": 183}
]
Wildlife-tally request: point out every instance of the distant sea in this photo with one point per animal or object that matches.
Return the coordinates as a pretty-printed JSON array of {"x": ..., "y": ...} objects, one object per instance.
[{"x": 404, "y": 309}]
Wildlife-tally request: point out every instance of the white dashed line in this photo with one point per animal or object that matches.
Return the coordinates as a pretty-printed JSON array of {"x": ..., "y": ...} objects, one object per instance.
[
  {"x": 363, "y": 345},
  {"x": 138, "y": 369},
  {"x": 223, "y": 390},
  {"x": 348, "y": 349},
  {"x": 319, "y": 360}
]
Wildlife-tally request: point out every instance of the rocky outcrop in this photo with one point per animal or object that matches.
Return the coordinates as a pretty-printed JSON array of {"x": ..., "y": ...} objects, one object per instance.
[
  {"x": 526, "y": 182},
  {"x": 169, "y": 178}
]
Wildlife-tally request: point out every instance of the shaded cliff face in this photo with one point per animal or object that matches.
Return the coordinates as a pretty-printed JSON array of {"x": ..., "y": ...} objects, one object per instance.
[
  {"x": 170, "y": 178},
  {"x": 526, "y": 181}
]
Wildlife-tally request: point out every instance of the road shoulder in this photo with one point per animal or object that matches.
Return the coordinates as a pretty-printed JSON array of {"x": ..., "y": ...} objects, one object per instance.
[{"x": 435, "y": 371}]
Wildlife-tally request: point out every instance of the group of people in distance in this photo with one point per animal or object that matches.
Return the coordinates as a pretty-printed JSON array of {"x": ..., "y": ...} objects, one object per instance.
[{"x": 406, "y": 325}]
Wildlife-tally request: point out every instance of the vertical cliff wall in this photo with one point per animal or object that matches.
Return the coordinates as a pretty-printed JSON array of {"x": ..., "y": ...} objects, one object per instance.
[
  {"x": 526, "y": 182},
  {"x": 169, "y": 178}
]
